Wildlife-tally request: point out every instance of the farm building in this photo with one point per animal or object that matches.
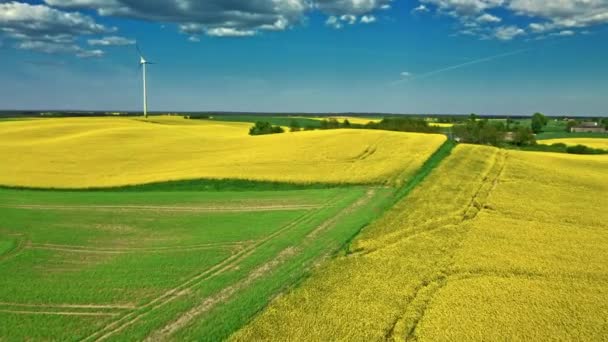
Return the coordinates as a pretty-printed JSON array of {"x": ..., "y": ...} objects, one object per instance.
[{"x": 588, "y": 127}]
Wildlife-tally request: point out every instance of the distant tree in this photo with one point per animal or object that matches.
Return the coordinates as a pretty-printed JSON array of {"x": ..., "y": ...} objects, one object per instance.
[
  {"x": 262, "y": 127},
  {"x": 605, "y": 122},
  {"x": 346, "y": 123},
  {"x": 473, "y": 117},
  {"x": 509, "y": 123},
  {"x": 483, "y": 132},
  {"x": 333, "y": 123},
  {"x": 523, "y": 136},
  {"x": 544, "y": 120},
  {"x": 294, "y": 126},
  {"x": 570, "y": 124},
  {"x": 538, "y": 122}
]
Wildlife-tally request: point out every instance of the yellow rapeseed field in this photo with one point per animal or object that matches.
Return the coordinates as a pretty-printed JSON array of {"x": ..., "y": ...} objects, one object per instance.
[
  {"x": 98, "y": 152},
  {"x": 493, "y": 245},
  {"x": 352, "y": 119},
  {"x": 590, "y": 142},
  {"x": 442, "y": 125}
]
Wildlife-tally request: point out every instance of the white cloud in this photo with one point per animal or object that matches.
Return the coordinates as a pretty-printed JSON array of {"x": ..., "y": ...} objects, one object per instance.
[
  {"x": 231, "y": 18},
  {"x": 508, "y": 32},
  {"x": 52, "y": 48},
  {"x": 488, "y": 18},
  {"x": 334, "y": 22},
  {"x": 40, "y": 19},
  {"x": 406, "y": 74},
  {"x": 353, "y": 7},
  {"x": 548, "y": 16},
  {"x": 90, "y": 53},
  {"x": 420, "y": 9},
  {"x": 215, "y": 17},
  {"x": 229, "y": 32},
  {"x": 349, "y": 19},
  {"x": 564, "y": 33},
  {"x": 45, "y": 29},
  {"x": 564, "y": 13},
  {"x": 368, "y": 19},
  {"x": 464, "y": 7},
  {"x": 111, "y": 41}
]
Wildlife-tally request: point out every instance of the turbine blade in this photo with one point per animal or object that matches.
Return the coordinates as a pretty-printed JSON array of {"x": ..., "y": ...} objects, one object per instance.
[{"x": 138, "y": 50}]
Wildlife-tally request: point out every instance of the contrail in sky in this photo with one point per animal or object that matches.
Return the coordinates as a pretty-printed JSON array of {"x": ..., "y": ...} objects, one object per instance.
[{"x": 458, "y": 66}]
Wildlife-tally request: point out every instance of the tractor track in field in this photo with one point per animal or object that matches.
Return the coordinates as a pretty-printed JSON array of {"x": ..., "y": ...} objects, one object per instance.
[
  {"x": 59, "y": 313},
  {"x": 126, "y": 250},
  {"x": 462, "y": 214},
  {"x": 222, "y": 296},
  {"x": 188, "y": 209},
  {"x": 170, "y": 295},
  {"x": 226, "y": 293},
  {"x": 73, "y": 306},
  {"x": 369, "y": 194},
  {"x": 22, "y": 242},
  {"x": 470, "y": 212}
]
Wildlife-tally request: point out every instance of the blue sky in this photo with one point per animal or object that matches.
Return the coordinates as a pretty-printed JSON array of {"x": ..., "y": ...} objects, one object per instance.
[{"x": 429, "y": 56}]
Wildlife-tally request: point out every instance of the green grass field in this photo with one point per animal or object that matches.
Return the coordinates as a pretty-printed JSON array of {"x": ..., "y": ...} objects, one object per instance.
[
  {"x": 118, "y": 265},
  {"x": 565, "y": 135}
]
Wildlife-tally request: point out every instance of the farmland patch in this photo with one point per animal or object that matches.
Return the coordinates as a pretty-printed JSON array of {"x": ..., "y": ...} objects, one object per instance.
[
  {"x": 109, "y": 152},
  {"x": 492, "y": 244},
  {"x": 127, "y": 266}
]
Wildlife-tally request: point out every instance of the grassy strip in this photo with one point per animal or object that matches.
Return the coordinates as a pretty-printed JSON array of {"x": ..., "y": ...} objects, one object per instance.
[
  {"x": 442, "y": 152},
  {"x": 201, "y": 185}
]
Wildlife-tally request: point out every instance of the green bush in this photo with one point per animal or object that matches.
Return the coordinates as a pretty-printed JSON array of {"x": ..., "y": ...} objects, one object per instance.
[{"x": 262, "y": 127}]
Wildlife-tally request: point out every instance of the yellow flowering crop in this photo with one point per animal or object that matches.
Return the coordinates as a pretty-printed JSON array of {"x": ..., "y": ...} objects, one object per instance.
[
  {"x": 442, "y": 125},
  {"x": 590, "y": 142},
  {"x": 96, "y": 152},
  {"x": 493, "y": 245}
]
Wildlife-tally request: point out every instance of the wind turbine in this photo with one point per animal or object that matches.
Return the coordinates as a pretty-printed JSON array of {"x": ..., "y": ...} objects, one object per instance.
[{"x": 143, "y": 62}]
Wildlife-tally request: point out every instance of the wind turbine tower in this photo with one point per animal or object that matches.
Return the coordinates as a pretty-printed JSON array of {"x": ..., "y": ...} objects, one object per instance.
[{"x": 143, "y": 62}]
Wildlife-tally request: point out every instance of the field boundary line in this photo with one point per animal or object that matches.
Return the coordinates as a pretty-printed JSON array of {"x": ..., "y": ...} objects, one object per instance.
[{"x": 179, "y": 290}]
